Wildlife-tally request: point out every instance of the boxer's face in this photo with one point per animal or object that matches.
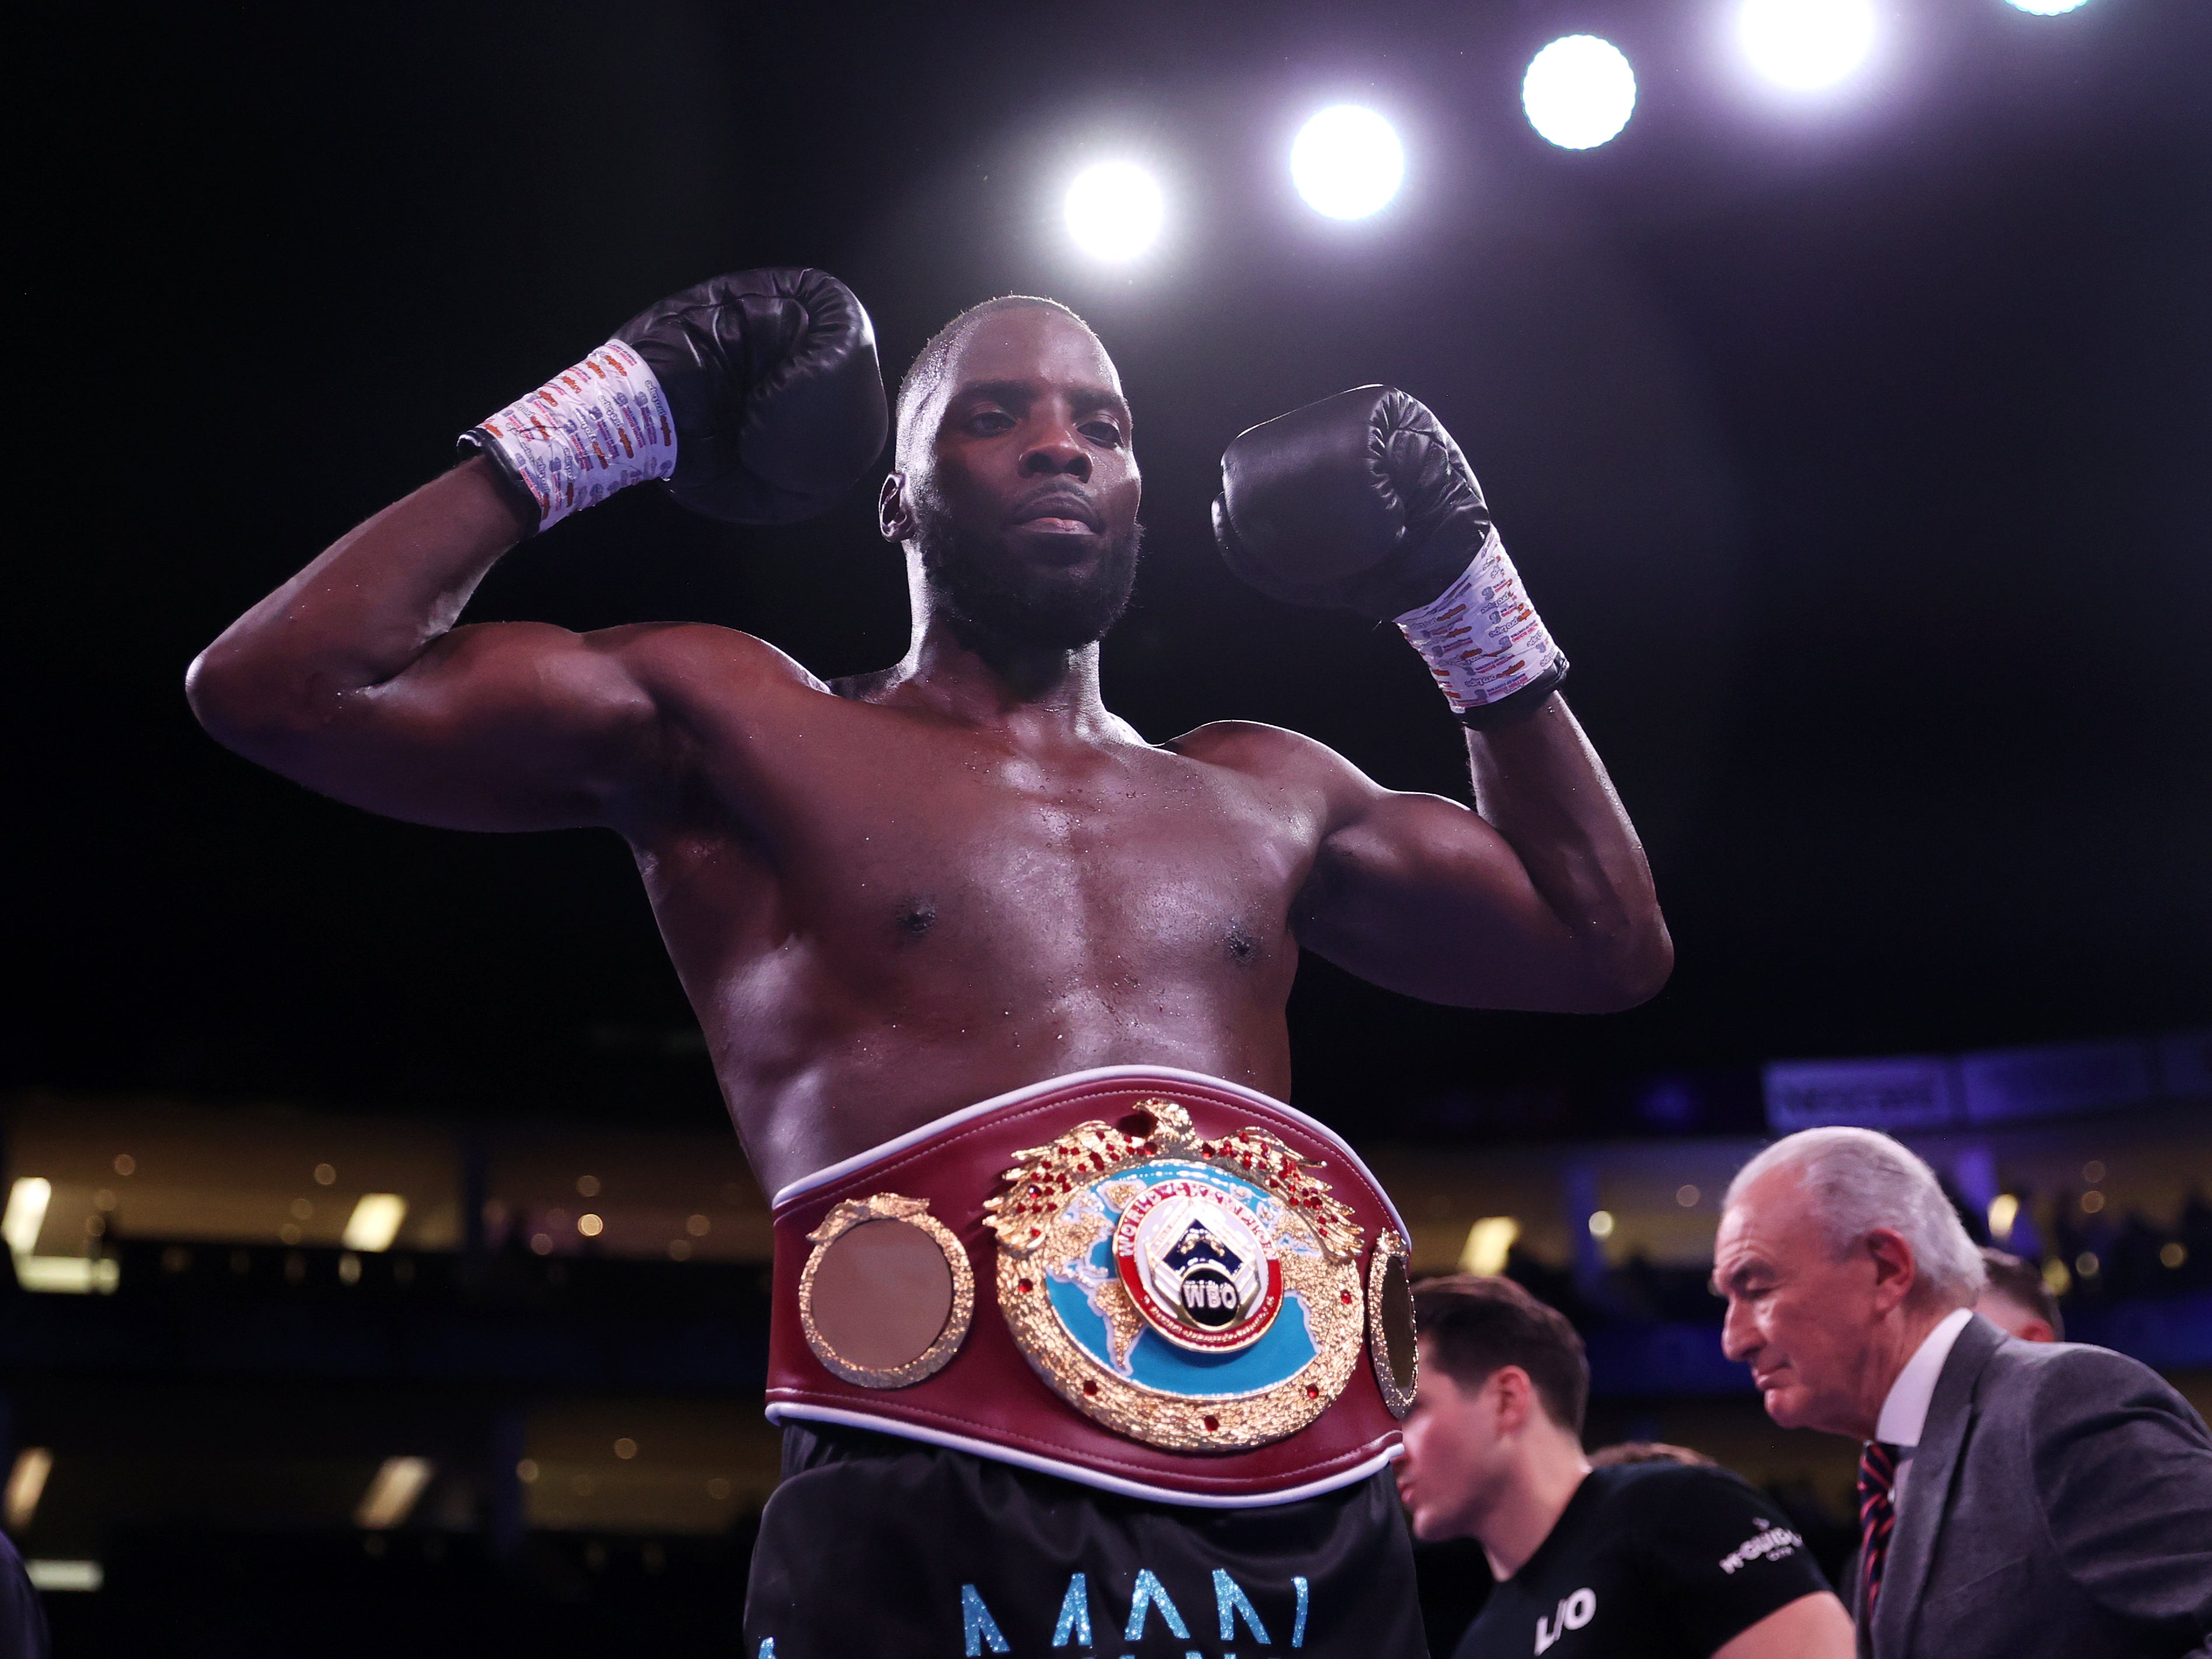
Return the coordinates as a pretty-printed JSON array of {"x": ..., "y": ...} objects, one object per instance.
[
  {"x": 1456, "y": 1460},
  {"x": 1802, "y": 1316},
  {"x": 1023, "y": 502}
]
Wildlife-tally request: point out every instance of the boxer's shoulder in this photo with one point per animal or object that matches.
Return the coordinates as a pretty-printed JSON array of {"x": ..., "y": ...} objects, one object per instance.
[
  {"x": 1255, "y": 746},
  {"x": 1273, "y": 756},
  {"x": 675, "y": 654},
  {"x": 723, "y": 686},
  {"x": 719, "y": 695}
]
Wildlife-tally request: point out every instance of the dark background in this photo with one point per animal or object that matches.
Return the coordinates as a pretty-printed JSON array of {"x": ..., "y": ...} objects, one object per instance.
[{"x": 1856, "y": 450}]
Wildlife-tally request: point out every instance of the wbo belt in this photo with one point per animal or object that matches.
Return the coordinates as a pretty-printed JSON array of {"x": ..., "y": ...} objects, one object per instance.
[{"x": 1144, "y": 1279}]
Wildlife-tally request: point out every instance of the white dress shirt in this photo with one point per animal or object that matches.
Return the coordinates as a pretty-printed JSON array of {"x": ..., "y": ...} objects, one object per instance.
[{"x": 1904, "y": 1407}]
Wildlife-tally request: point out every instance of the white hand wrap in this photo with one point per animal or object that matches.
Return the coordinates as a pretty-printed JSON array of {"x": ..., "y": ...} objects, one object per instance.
[
  {"x": 589, "y": 431},
  {"x": 1480, "y": 637}
]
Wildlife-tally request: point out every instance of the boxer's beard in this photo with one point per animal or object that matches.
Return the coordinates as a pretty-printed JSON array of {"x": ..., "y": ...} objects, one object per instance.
[{"x": 987, "y": 593}]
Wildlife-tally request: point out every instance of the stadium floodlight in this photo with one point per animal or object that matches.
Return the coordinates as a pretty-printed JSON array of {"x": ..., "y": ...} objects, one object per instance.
[
  {"x": 49, "y": 1577},
  {"x": 391, "y": 1493},
  {"x": 1114, "y": 210},
  {"x": 1346, "y": 162},
  {"x": 374, "y": 1222},
  {"x": 27, "y": 1198},
  {"x": 25, "y": 1482},
  {"x": 1489, "y": 1245},
  {"x": 1579, "y": 91},
  {"x": 1806, "y": 46}
]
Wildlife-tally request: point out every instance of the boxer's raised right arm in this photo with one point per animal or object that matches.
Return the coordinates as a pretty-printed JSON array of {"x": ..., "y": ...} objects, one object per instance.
[
  {"x": 352, "y": 679},
  {"x": 756, "y": 396}
]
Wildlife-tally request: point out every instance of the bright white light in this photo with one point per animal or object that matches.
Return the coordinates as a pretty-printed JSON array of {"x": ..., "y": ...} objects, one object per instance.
[
  {"x": 68, "y": 1275},
  {"x": 374, "y": 1222},
  {"x": 25, "y": 1482},
  {"x": 1489, "y": 1242},
  {"x": 1806, "y": 45},
  {"x": 2004, "y": 1210},
  {"x": 1578, "y": 91},
  {"x": 2047, "y": 7},
  {"x": 1346, "y": 161},
  {"x": 48, "y": 1576},
  {"x": 1114, "y": 210},
  {"x": 26, "y": 1212},
  {"x": 399, "y": 1481}
]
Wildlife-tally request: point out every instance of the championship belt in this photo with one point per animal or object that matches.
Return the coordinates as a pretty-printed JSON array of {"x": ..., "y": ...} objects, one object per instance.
[{"x": 1144, "y": 1279}]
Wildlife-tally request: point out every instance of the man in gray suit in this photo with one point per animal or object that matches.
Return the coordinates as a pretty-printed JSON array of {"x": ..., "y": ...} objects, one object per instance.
[{"x": 2014, "y": 1498}]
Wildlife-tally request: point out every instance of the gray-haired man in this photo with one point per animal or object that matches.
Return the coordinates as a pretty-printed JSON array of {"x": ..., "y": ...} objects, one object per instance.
[{"x": 2014, "y": 1498}]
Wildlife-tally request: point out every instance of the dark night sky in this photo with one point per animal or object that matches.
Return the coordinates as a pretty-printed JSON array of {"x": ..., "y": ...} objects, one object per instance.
[{"x": 1861, "y": 460}]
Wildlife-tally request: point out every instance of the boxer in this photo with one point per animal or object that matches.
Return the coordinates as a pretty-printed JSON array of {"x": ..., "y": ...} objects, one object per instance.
[{"x": 1082, "y": 1338}]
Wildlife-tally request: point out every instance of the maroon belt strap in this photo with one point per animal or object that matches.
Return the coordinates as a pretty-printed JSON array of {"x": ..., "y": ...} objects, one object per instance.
[{"x": 1140, "y": 1278}]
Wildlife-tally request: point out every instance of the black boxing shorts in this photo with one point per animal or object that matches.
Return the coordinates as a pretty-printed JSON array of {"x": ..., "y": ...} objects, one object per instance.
[{"x": 883, "y": 1548}]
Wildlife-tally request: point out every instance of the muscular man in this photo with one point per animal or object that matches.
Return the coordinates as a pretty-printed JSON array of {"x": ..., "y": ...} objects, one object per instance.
[
  {"x": 1654, "y": 1551},
  {"x": 954, "y": 918}
]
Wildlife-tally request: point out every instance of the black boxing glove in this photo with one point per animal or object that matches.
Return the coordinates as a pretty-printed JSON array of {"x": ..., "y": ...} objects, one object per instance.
[
  {"x": 756, "y": 395},
  {"x": 1363, "y": 502}
]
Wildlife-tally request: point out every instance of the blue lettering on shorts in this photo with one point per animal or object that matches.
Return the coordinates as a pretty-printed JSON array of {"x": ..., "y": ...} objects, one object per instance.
[{"x": 1149, "y": 1603}]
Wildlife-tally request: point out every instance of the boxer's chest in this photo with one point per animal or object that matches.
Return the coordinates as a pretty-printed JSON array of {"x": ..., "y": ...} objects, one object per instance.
[
  {"x": 1059, "y": 856},
  {"x": 930, "y": 853}
]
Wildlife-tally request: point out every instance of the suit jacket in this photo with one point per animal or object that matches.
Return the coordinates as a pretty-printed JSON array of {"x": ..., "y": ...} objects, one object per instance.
[{"x": 2060, "y": 1502}]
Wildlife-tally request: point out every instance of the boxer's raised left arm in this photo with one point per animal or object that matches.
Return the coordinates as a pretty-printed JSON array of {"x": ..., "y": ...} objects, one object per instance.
[
  {"x": 1540, "y": 901},
  {"x": 1540, "y": 898}
]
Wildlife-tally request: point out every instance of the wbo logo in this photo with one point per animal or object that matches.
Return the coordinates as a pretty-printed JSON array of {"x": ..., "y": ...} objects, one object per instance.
[
  {"x": 1572, "y": 1614},
  {"x": 1199, "y": 1264}
]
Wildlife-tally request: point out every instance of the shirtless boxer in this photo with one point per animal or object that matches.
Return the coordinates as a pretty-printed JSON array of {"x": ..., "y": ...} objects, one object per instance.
[{"x": 1081, "y": 1337}]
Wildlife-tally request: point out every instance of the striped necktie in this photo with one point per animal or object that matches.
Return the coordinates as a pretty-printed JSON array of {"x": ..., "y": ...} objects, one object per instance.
[{"x": 1877, "y": 1515}]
